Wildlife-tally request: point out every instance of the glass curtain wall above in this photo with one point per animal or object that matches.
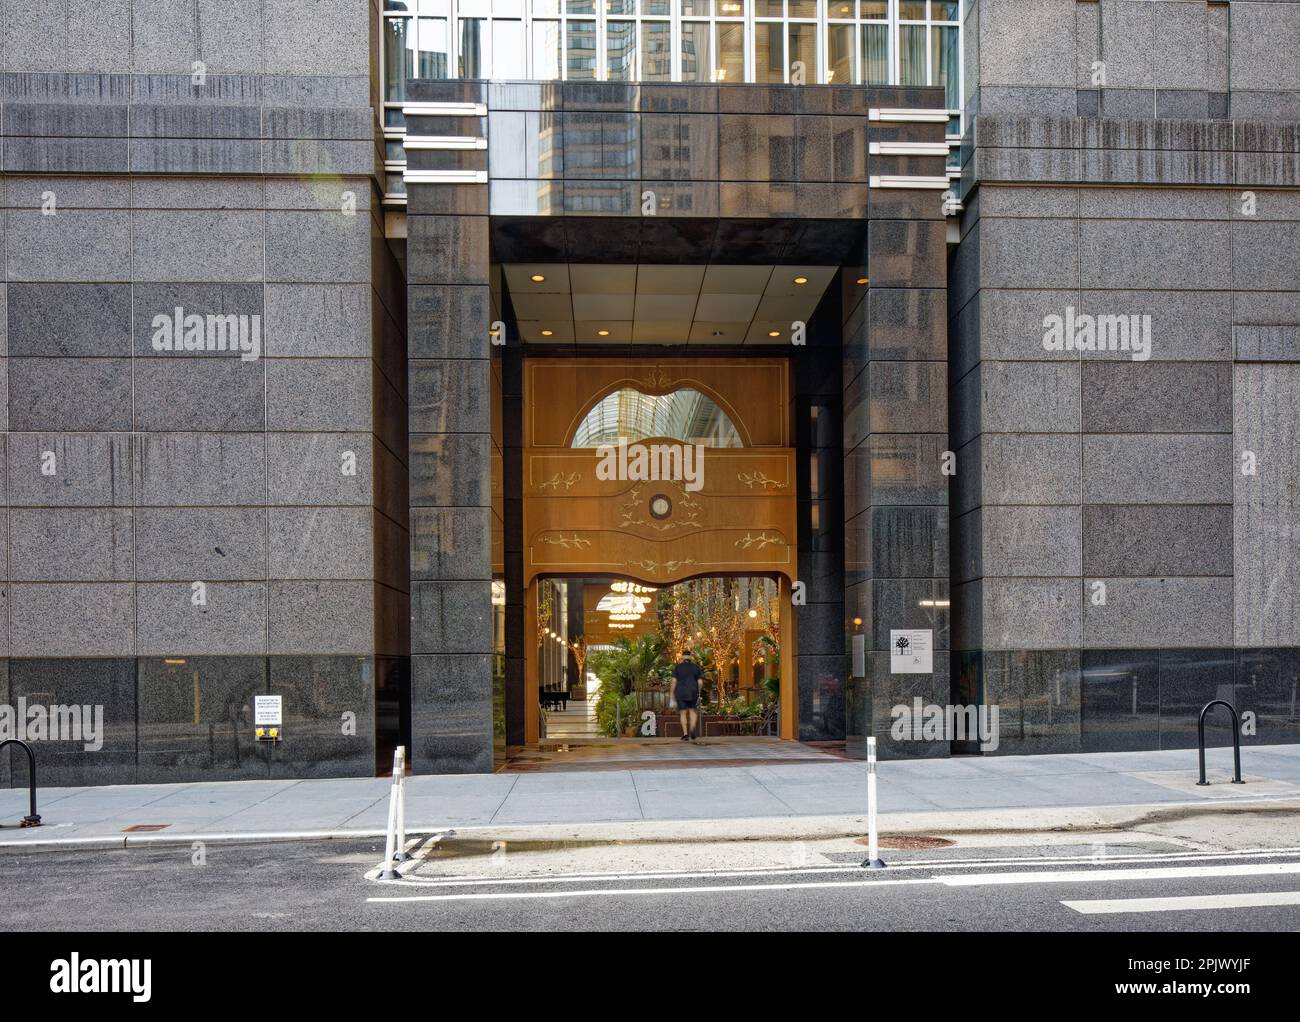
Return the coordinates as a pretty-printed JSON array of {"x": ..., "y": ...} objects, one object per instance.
[
  {"x": 873, "y": 42},
  {"x": 839, "y": 42}
]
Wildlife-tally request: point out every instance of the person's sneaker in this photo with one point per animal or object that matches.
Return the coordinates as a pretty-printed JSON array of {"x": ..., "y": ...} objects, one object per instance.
[{"x": 686, "y": 738}]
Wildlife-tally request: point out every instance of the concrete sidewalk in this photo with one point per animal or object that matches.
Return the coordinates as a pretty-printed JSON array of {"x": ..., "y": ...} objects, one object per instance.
[{"x": 358, "y": 807}]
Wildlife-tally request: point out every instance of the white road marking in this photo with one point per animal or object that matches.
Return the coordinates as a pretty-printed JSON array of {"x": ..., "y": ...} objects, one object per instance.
[
  {"x": 484, "y": 880},
  {"x": 606, "y": 892},
  {"x": 974, "y": 880},
  {"x": 1188, "y": 903},
  {"x": 1103, "y": 875}
]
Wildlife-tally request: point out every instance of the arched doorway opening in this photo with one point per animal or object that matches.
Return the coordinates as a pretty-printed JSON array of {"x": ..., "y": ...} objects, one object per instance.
[{"x": 606, "y": 647}]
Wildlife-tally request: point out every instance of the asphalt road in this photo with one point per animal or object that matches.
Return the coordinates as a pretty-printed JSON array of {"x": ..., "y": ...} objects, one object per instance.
[{"x": 322, "y": 886}]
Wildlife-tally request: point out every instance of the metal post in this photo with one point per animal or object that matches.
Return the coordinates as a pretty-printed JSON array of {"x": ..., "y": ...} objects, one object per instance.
[
  {"x": 873, "y": 850},
  {"x": 390, "y": 839},
  {"x": 1236, "y": 740}
]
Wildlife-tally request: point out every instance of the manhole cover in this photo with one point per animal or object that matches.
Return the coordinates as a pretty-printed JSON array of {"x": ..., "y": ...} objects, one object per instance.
[
  {"x": 137, "y": 827},
  {"x": 908, "y": 841}
]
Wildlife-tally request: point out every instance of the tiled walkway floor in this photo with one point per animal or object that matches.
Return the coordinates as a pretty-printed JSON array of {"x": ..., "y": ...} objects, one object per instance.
[{"x": 661, "y": 753}]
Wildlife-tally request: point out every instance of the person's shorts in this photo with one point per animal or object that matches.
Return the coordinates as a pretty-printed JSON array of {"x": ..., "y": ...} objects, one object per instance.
[{"x": 687, "y": 704}]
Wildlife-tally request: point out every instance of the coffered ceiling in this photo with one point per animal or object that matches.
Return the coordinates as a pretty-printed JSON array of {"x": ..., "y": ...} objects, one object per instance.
[{"x": 593, "y": 303}]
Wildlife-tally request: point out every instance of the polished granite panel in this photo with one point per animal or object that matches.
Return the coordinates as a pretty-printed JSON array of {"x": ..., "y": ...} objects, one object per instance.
[
  {"x": 1268, "y": 685},
  {"x": 329, "y": 716},
  {"x": 892, "y": 693},
  {"x": 1188, "y": 680},
  {"x": 1038, "y": 699},
  {"x": 108, "y": 685},
  {"x": 196, "y": 718},
  {"x": 1119, "y": 700},
  {"x": 821, "y": 697},
  {"x": 451, "y": 713}
]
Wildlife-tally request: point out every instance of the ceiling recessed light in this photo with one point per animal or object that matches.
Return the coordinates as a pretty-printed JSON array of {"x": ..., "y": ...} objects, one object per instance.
[
  {"x": 547, "y": 333},
  {"x": 774, "y": 333},
  {"x": 537, "y": 278},
  {"x": 862, "y": 280},
  {"x": 801, "y": 280},
  {"x": 603, "y": 333}
]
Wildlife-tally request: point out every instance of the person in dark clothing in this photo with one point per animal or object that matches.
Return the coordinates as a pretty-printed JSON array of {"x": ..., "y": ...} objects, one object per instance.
[{"x": 686, "y": 693}]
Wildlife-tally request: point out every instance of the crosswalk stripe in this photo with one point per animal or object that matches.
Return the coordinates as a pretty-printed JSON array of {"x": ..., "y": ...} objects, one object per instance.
[
  {"x": 1186, "y": 903},
  {"x": 1100, "y": 875}
]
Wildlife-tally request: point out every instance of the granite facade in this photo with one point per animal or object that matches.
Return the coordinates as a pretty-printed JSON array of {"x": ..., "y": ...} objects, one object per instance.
[
  {"x": 1124, "y": 541},
  {"x": 206, "y": 521}
]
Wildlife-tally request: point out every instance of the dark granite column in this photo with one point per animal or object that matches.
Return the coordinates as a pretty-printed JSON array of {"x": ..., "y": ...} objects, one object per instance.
[
  {"x": 895, "y": 434},
  {"x": 819, "y": 650},
  {"x": 517, "y": 647},
  {"x": 450, "y": 426}
]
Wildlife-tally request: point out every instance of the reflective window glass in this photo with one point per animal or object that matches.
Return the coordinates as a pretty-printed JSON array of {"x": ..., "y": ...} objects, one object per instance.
[
  {"x": 696, "y": 63},
  {"x": 580, "y": 40},
  {"x": 546, "y": 50},
  {"x": 839, "y": 54},
  {"x": 399, "y": 57},
  {"x": 803, "y": 50},
  {"x": 656, "y": 51},
  {"x": 911, "y": 55},
  {"x": 508, "y": 50},
  {"x": 875, "y": 55},
  {"x": 769, "y": 53},
  {"x": 697, "y": 8},
  {"x": 731, "y": 53},
  {"x": 943, "y": 61},
  {"x": 434, "y": 60},
  {"x": 620, "y": 43},
  {"x": 473, "y": 48},
  {"x": 803, "y": 8}
]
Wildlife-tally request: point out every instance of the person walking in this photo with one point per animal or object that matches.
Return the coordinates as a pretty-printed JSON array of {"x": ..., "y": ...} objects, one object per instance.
[{"x": 686, "y": 693}]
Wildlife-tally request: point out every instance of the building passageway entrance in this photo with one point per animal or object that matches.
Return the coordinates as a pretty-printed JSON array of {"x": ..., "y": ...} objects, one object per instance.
[{"x": 658, "y": 507}]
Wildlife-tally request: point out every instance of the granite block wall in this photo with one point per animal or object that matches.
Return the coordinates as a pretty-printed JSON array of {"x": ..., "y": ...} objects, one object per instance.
[
  {"x": 187, "y": 528},
  {"x": 1125, "y": 536},
  {"x": 1134, "y": 58}
]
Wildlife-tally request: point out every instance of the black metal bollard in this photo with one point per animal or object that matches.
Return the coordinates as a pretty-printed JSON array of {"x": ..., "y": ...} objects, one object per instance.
[
  {"x": 32, "y": 819},
  {"x": 1236, "y": 739}
]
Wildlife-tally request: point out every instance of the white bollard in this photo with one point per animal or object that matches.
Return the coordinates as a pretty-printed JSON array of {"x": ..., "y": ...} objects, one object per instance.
[
  {"x": 399, "y": 764},
  {"x": 391, "y": 848},
  {"x": 873, "y": 850}
]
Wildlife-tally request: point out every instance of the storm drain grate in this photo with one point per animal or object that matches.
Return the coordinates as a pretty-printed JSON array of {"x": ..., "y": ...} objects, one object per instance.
[
  {"x": 136, "y": 828},
  {"x": 909, "y": 841}
]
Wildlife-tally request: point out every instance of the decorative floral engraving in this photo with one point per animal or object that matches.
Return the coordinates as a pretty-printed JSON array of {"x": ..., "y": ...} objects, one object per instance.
[
  {"x": 761, "y": 479},
  {"x": 560, "y": 477},
  {"x": 760, "y": 541},
  {"x": 567, "y": 542}
]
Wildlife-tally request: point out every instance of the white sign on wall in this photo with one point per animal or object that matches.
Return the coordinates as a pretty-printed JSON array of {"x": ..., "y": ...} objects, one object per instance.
[
  {"x": 911, "y": 651},
  {"x": 267, "y": 711}
]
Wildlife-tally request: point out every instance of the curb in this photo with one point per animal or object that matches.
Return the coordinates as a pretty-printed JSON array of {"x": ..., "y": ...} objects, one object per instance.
[{"x": 1008, "y": 820}]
